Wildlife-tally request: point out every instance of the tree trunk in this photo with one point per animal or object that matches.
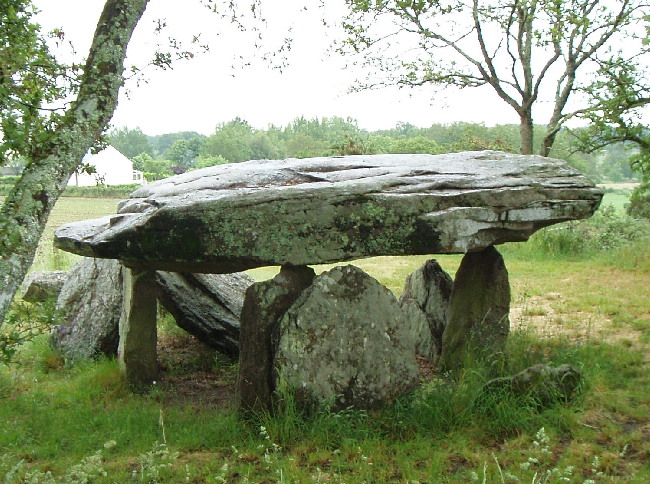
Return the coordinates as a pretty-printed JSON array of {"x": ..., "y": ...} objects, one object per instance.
[
  {"x": 549, "y": 140},
  {"x": 26, "y": 210},
  {"x": 526, "y": 131}
]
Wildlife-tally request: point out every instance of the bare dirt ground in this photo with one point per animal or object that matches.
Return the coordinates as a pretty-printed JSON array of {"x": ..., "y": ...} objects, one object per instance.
[
  {"x": 543, "y": 315},
  {"x": 194, "y": 374},
  {"x": 546, "y": 318}
]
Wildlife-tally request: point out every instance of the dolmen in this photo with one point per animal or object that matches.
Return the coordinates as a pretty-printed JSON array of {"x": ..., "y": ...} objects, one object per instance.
[{"x": 296, "y": 213}]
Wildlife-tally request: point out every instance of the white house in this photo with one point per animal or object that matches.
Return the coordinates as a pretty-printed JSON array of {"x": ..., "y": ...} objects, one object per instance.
[{"x": 111, "y": 168}]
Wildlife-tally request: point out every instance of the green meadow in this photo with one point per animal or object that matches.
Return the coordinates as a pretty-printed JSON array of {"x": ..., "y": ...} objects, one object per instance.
[{"x": 580, "y": 296}]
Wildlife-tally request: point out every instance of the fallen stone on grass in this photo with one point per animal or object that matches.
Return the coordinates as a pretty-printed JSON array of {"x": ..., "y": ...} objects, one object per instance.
[
  {"x": 346, "y": 342},
  {"x": 207, "y": 306},
  {"x": 543, "y": 384},
  {"x": 43, "y": 286}
]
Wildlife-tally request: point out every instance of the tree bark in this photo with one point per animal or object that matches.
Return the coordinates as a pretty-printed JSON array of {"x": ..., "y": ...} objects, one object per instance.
[
  {"x": 26, "y": 209},
  {"x": 526, "y": 132},
  {"x": 549, "y": 140}
]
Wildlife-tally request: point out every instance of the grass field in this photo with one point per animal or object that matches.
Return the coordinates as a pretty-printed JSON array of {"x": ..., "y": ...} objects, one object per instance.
[
  {"x": 78, "y": 423},
  {"x": 618, "y": 200},
  {"x": 68, "y": 210}
]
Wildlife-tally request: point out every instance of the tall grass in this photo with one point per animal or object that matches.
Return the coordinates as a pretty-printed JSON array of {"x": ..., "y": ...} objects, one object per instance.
[{"x": 606, "y": 234}]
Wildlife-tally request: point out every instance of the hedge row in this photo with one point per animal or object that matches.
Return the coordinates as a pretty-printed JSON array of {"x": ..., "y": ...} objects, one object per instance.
[{"x": 117, "y": 191}]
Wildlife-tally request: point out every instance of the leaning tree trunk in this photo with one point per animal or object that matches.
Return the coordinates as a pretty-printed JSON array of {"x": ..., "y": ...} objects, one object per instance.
[
  {"x": 549, "y": 139},
  {"x": 26, "y": 209}
]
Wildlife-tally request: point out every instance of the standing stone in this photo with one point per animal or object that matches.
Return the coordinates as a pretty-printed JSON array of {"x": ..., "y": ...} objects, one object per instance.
[
  {"x": 345, "y": 342},
  {"x": 42, "y": 286},
  {"x": 264, "y": 305},
  {"x": 91, "y": 301},
  {"x": 478, "y": 323},
  {"x": 207, "y": 306},
  {"x": 425, "y": 302},
  {"x": 138, "y": 333}
]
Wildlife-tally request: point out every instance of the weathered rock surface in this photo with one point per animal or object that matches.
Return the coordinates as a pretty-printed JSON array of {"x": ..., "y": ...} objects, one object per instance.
[
  {"x": 425, "y": 301},
  {"x": 478, "y": 323},
  {"x": 544, "y": 384},
  {"x": 207, "y": 306},
  {"x": 233, "y": 217},
  {"x": 42, "y": 286},
  {"x": 264, "y": 305},
  {"x": 345, "y": 341},
  {"x": 91, "y": 300}
]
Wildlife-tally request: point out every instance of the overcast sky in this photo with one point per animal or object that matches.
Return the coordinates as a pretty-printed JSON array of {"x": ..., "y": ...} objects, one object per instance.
[{"x": 216, "y": 87}]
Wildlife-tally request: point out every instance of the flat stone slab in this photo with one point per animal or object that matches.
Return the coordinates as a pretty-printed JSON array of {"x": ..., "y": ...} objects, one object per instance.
[{"x": 234, "y": 217}]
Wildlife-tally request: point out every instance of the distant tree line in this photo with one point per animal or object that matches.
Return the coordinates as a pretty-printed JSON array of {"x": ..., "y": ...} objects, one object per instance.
[{"x": 235, "y": 141}]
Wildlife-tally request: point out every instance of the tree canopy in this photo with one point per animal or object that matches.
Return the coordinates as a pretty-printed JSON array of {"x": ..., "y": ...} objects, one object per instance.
[
  {"x": 130, "y": 142},
  {"x": 30, "y": 78},
  {"x": 516, "y": 47},
  {"x": 529, "y": 52},
  {"x": 342, "y": 136},
  {"x": 615, "y": 116},
  {"x": 53, "y": 144}
]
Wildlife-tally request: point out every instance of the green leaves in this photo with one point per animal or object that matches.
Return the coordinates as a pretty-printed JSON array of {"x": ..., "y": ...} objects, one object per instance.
[
  {"x": 24, "y": 322},
  {"x": 130, "y": 142},
  {"x": 30, "y": 79},
  {"x": 529, "y": 51},
  {"x": 617, "y": 98}
]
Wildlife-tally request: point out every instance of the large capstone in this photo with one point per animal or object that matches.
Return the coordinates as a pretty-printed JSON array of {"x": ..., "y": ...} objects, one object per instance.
[
  {"x": 478, "y": 323},
  {"x": 233, "y": 217},
  {"x": 425, "y": 301},
  {"x": 91, "y": 301},
  {"x": 345, "y": 342}
]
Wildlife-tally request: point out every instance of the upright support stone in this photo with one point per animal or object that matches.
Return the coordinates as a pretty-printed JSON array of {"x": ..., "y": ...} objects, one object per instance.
[
  {"x": 138, "y": 336},
  {"x": 345, "y": 342},
  {"x": 425, "y": 301},
  {"x": 264, "y": 304},
  {"x": 478, "y": 323}
]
